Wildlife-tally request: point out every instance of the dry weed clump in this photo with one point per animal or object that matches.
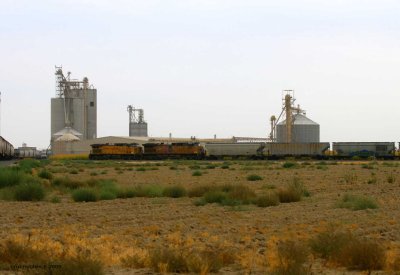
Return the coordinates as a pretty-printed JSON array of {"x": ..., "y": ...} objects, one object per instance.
[
  {"x": 268, "y": 199},
  {"x": 14, "y": 256},
  {"x": 292, "y": 192},
  {"x": 292, "y": 257},
  {"x": 357, "y": 202},
  {"x": 347, "y": 250}
]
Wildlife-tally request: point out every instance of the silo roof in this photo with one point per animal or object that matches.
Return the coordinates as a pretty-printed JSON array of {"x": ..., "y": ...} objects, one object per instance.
[
  {"x": 67, "y": 137},
  {"x": 300, "y": 119},
  {"x": 68, "y": 130}
]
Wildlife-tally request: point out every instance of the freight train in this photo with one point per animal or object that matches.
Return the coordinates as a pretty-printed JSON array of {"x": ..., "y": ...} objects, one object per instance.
[
  {"x": 261, "y": 150},
  {"x": 6, "y": 149}
]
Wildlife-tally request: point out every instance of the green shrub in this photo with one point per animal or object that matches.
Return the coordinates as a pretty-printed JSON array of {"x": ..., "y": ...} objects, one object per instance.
[
  {"x": 29, "y": 192},
  {"x": 211, "y": 166},
  {"x": 93, "y": 173},
  {"x": 149, "y": 191},
  {"x": 84, "y": 195},
  {"x": 288, "y": 164},
  {"x": 45, "y": 174},
  {"x": 268, "y": 199},
  {"x": 197, "y": 173},
  {"x": 200, "y": 202},
  {"x": 26, "y": 165},
  {"x": 195, "y": 167},
  {"x": 357, "y": 202},
  {"x": 55, "y": 199},
  {"x": 141, "y": 169},
  {"x": 176, "y": 191},
  {"x": 215, "y": 197},
  {"x": 254, "y": 178},
  {"x": 225, "y": 166},
  {"x": 68, "y": 183},
  {"x": 11, "y": 177},
  {"x": 126, "y": 193},
  {"x": 329, "y": 244},
  {"x": 107, "y": 195}
]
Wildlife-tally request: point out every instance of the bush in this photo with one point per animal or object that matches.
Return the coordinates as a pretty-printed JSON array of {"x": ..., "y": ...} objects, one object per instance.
[
  {"x": 141, "y": 169},
  {"x": 74, "y": 172},
  {"x": 197, "y": 173},
  {"x": 329, "y": 244},
  {"x": 362, "y": 254},
  {"x": 149, "y": 191},
  {"x": 174, "y": 191},
  {"x": 126, "y": 193},
  {"x": 288, "y": 164},
  {"x": 29, "y": 192},
  {"x": 26, "y": 165},
  {"x": 391, "y": 178},
  {"x": 45, "y": 174},
  {"x": 55, "y": 199},
  {"x": 107, "y": 195},
  {"x": 357, "y": 202},
  {"x": 292, "y": 257},
  {"x": 199, "y": 191},
  {"x": 84, "y": 195},
  {"x": 168, "y": 260},
  {"x": 68, "y": 183},
  {"x": 10, "y": 177},
  {"x": 268, "y": 199},
  {"x": 215, "y": 196},
  {"x": 241, "y": 194},
  {"x": 254, "y": 178},
  {"x": 225, "y": 166},
  {"x": 289, "y": 194}
]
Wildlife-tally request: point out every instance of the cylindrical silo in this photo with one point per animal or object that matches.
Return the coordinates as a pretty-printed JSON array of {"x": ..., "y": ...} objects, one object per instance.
[{"x": 304, "y": 130}]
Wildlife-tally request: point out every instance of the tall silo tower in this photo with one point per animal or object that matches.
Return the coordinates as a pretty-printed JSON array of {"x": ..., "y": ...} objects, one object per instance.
[
  {"x": 74, "y": 109},
  {"x": 137, "y": 125}
]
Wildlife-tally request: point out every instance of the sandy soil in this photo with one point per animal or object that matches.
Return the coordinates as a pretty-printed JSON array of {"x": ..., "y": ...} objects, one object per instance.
[{"x": 114, "y": 229}]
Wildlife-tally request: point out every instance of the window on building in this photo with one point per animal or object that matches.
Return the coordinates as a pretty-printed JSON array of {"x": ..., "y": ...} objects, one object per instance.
[{"x": 91, "y": 104}]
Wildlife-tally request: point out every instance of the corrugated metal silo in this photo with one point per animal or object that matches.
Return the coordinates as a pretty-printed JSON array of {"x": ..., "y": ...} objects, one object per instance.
[{"x": 304, "y": 130}]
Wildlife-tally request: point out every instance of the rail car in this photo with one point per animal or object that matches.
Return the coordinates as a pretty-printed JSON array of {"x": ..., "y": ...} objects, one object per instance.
[
  {"x": 6, "y": 149},
  {"x": 385, "y": 150},
  {"x": 116, "y": 151}
]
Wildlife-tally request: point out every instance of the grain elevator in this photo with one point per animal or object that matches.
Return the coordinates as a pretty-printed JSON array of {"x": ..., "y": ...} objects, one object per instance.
[{"x": 74, "y": 108}]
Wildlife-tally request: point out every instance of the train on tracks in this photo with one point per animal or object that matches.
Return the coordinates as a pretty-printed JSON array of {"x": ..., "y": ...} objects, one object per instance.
[
  {"x": 6, "y": 149},
  {"x": 253, "y": 150}
]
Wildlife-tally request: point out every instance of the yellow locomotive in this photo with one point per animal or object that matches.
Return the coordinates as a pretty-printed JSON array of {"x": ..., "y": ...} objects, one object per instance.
[{"x": 116, "y": 151}]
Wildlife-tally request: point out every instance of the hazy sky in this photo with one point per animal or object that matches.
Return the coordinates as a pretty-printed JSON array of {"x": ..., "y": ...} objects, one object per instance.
[{"x": 200, "y": 68}]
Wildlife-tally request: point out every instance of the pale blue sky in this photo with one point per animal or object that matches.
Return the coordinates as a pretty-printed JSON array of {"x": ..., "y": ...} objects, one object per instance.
[{"x": 205, "y": 67}]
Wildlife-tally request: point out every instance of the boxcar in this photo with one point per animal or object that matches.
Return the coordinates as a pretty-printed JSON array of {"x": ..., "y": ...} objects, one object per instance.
[
  {"x": 116, "y": 151},
  {"x": 234, "y": 150},
  {"x": 6, "y": 149},
  {"x": 364, "y": 149},
  {"x": 273, "y": 149}
]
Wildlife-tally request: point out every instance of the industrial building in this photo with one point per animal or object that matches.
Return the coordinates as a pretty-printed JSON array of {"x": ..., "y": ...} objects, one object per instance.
[
  {"x": 74, "y": 108},
  {"x": 137, "y": 125},
  {"x": 295, "y": 127}
]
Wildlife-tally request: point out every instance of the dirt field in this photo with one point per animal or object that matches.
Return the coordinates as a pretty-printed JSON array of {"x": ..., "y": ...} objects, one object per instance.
[{"x": 244, "y": 236}]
